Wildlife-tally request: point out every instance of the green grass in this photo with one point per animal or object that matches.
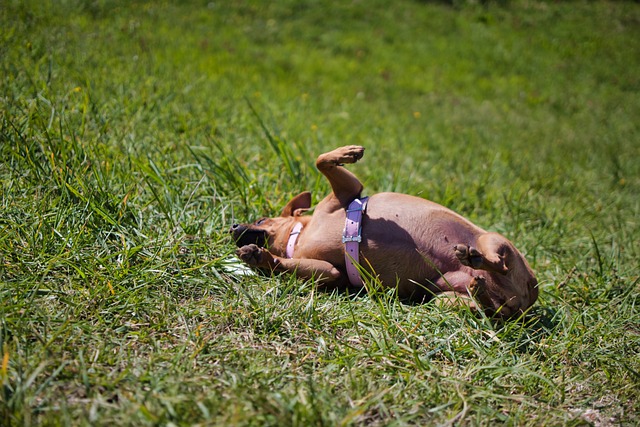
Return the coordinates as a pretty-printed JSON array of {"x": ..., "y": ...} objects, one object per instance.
[{"x": 133, "y": 133}]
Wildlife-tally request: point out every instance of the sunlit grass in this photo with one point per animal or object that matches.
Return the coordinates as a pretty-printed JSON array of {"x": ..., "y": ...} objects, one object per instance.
[{"x": 133, "y": 135}]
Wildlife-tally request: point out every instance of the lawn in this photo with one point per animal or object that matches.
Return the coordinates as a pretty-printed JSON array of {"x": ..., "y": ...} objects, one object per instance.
[{"x": 133, "y": 134}]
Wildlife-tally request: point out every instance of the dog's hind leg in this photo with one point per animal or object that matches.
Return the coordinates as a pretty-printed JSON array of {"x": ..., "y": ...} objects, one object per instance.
[
  {"x": 455, "y": 299},
  {"x": 344, "y": 184},
  {"x": 489, "y": 254},
  {"x": 511, "y": 286},
  {"x": 476, "y": 293},
  {"x": 466, "y": 291}
]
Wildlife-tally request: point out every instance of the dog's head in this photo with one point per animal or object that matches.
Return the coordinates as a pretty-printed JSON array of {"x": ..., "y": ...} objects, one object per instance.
[{"x": 272, "y": 233}]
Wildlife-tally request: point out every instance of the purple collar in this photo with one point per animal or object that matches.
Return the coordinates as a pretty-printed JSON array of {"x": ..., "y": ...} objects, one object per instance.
[
  {"x": 351, "y": 237},
  {"x": 293, "y": 237}
]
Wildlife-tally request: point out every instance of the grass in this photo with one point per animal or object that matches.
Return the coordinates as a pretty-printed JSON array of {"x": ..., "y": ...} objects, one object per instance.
[{"x": 134, "y": 133}]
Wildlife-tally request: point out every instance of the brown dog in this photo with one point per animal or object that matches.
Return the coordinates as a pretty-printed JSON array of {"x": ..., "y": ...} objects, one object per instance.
[{"x": 416, "y": 246}]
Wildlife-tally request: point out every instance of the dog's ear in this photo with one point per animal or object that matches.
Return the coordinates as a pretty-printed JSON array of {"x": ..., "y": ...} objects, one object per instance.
[{"x": 298, "y": 205}]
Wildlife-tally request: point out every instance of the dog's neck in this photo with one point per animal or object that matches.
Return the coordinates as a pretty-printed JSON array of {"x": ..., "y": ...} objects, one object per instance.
[{"x": 293, "y": 238}]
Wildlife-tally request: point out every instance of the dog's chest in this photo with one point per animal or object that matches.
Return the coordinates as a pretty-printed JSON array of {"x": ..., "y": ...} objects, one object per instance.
[{"x": 322, "y": 239}]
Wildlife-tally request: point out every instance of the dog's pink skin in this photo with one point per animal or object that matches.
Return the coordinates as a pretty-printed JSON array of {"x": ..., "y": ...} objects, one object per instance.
[{"x": 415, "y": 245}]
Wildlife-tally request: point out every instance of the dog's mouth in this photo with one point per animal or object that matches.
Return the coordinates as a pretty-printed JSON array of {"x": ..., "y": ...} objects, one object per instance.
[{"x": 244, "y": 235}]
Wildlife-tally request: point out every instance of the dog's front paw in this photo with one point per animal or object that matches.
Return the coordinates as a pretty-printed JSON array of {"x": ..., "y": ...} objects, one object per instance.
[
  {"x": 251, "y": 254},
  {"x": 342, "y": 155},
  {"x": 256, "y": 256},
  {"x": 349, "y": 154}
]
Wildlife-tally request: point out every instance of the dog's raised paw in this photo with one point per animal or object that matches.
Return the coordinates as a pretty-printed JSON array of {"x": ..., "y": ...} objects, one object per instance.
[{"x": 349, "y": 154}]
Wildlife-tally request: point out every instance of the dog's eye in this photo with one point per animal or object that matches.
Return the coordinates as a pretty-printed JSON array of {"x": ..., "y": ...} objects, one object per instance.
[{"x": 260, "y": 221}]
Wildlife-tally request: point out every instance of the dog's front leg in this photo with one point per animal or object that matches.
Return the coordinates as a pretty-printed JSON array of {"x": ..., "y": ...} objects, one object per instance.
[
  {"x": 344, "y": 184},
  {"x": 309, "y": 269},
  {"x": 259, "y": 257}
]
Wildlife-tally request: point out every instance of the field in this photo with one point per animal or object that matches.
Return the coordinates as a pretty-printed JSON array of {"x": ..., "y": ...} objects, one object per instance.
[{"x": 133, "y": 134}]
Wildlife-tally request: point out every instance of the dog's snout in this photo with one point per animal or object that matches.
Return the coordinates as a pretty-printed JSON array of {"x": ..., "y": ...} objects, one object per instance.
[
  {"x": 236, "y": 230},
  {"x": 245, "y": 235}
]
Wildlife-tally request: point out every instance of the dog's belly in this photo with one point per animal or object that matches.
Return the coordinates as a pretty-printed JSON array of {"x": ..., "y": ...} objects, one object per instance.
[{"x": 407, "y": 239}]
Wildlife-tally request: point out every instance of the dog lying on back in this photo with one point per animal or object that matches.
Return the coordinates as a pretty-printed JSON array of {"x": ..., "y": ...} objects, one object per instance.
[{"x": 416, "y": 246}]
